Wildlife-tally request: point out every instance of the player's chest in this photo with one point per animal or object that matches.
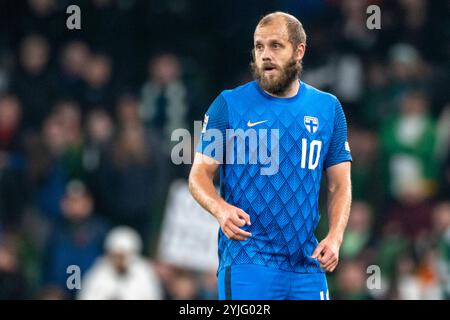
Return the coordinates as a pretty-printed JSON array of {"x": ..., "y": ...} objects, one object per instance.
[{"x": 292, "y": 123}]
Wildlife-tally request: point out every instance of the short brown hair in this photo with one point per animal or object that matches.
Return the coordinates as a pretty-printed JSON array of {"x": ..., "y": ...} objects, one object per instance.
[{"x": 296, "y": 33}]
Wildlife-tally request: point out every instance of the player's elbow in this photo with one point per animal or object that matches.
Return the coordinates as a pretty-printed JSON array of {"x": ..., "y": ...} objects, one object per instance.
[
  {"x": 339, "y": 178},
  {"x": 341, "y": 186},
  {"x": 191, "y": 181}
]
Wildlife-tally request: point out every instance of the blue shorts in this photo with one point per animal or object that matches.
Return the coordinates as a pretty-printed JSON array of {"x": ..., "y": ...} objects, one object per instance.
[{"x": 257, "y": 282}]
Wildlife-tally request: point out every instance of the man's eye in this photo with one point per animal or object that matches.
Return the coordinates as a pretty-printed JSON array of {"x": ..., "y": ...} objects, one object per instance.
[
  {"x": 276, "y": 45},
  {"x": 258, "y": 47}
]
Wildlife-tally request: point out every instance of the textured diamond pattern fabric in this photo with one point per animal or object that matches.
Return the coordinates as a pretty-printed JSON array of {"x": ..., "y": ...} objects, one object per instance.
[{"x": 283, "y": 206}]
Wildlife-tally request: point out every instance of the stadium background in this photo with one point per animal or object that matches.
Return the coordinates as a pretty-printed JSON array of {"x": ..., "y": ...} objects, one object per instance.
[{"x": 93, "y": 109}]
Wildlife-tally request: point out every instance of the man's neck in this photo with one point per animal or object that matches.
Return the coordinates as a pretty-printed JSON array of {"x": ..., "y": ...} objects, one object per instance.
[{"x": 290, "y": 92}]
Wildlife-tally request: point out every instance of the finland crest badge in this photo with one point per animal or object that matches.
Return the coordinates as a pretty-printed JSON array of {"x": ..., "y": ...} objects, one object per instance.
[{"x": 311, "y": 124}]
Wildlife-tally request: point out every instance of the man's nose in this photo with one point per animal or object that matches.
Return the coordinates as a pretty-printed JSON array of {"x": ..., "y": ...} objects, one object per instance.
[{"x": 266, "y": 55}]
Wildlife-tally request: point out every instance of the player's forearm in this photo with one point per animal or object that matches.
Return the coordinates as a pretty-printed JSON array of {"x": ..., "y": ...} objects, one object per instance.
[
  {"x": 339, "y": 202},
  {"x": 202, "y": 189}
]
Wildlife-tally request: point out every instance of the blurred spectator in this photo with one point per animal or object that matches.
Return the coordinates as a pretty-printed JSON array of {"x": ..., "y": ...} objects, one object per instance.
[
  {"x": 365, "y": 166},
  {"x": 99, "y": 135},
  {"x": 408, "y": 142},
  {"x": 10, "y": 117},
  {"x": 351, "y": 281},
  {"x": 408, "y": 284},
  {"x": 51, "y": 292},
  {"x": 358, "y": 231},
  {"x": 408, "y": 71},
  {"x": 74, "y": 58},
  {"x": 417, "y": 280},
  {"x": 377, "y": 103},
  {"x": 420, "y": 24},
  {"x": 443, "y": 152},
  {"x": 68, "y": 115},
  {"x": 6, "y": 66},
  {"x": 408, "y": 145},
  {"x": 128, "y": 181},
  {"x": 46, "y": 174},
  {"x": 428, "y": 274},
  {"x": 12, "y": 280},
  {"x": 61, "y": 159},
  {"x": 354, "y": 27},
  {"x": 188, "y": 234},
  {"x": 12, "y": 162},
  {"x": 97, "y": 75},
  {"x": 123, "y": 274},
  {"x": 127, "y": 111},
  {"x": 441, "y": 223},
  {"x": 33, "y": 83},
  {"x": 42, "y": 16},
  {"x": 75, "y": 239},
  {"x": 391, "y": 243},
  {"x": 208, "y": 286},
  {"x": 443, "y": 134},
  {"x": 181, "y": 284},
  {"x": 163, "y": 97},
  {"x": 412, "y": 215}
]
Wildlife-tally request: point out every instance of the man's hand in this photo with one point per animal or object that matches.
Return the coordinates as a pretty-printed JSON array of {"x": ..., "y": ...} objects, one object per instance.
[
  {"x": 231, "y": 219},
  {"x": 327, "y": 252}
]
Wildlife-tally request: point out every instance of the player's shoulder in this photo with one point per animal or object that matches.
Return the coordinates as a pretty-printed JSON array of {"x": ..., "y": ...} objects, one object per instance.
[
  {"x": 239, "y": 91},
  {"x": 323, "y": 96}
]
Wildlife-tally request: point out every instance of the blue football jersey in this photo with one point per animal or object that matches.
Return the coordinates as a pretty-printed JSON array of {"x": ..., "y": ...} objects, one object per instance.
[{"x": 311, "y": 134}]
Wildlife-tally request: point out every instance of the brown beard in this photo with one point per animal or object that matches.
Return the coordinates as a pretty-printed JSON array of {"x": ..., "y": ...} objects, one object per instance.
[{"x": 278, "y": 86}]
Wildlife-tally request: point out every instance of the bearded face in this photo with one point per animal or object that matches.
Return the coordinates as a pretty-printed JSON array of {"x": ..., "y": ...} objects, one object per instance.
[
  {"x": 277, "y": 57},
  {"x": 276, "y": 79}
]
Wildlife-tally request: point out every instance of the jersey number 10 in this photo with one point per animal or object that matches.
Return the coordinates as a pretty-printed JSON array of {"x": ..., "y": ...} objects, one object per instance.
[{"x": 314, "y": 153}]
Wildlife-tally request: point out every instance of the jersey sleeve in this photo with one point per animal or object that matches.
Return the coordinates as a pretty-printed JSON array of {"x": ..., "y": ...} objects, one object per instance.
[
  {"x": 339, "y": 150},
  {"x": 213, "y": 135}
]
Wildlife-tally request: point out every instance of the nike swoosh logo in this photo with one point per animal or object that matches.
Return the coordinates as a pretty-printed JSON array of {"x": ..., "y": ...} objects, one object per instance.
[{"x": 252, "y": 124}]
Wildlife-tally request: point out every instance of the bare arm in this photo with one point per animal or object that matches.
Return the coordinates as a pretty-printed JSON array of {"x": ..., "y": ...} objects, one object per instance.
[
  {"x": 202, "y": 189},
  {"x": 339, "y": 198},
  {"x": 339, "y": 202},
  {"x": 201, "y": 183}
]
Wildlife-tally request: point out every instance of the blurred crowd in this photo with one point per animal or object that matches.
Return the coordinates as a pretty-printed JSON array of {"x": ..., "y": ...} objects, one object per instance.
[{"x": 86, "y": 118}]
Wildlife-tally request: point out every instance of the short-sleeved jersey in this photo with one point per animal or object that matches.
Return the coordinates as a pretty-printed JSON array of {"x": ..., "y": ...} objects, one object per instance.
[{"x": 308, "y": 134}]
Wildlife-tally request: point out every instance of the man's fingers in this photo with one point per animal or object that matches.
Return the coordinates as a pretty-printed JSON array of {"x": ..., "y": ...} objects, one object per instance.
[
  {"x": 233, "y": 219},
  {"x": 317, "y": 251},
  {"x": 327, "y": 257},
  {"x": 231, "y": 223},
  {"x": 231, "y": 235},
  {"x": 240, "y": 232},
  {"x": 234, "y": 233},
  {"x": 238, "y": 237},
  {"x": 244, "y": 216},
  {"x": 227, "y": 232},
  {"x": 329, "y": 264},
  {"x": 334, "y": 266},
  {"x": 237, "y": 220}
]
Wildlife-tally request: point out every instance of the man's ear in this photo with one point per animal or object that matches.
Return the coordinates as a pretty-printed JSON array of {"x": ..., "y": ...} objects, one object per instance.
[{"x": 300, "y": 52}]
